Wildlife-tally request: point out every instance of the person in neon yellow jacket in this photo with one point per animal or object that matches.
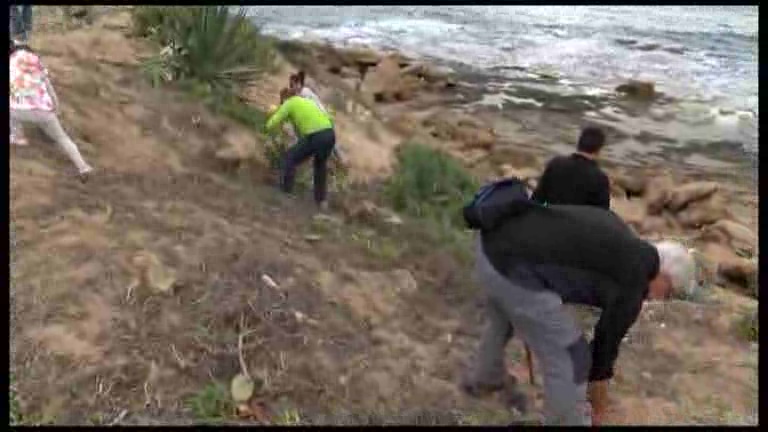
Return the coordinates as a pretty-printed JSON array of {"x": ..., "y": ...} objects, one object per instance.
[{"x": 317, "y": 140}]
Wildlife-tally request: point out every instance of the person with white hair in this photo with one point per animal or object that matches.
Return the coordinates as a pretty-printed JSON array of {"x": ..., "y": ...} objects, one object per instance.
[{"x": 538, "y": 257}]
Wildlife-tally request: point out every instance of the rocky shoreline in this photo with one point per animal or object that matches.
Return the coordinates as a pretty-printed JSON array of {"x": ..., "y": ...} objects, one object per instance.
[{"x": 705, "y": 197}]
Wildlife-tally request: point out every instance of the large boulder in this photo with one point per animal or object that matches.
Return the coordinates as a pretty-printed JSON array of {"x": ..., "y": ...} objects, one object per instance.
[
  {"x": 469, "y": 132},
  {"x": 435, "y": 77},
  {"x": 731, "y": 234},
  {"x": 736, "y": 269},
  {"x": 524, "y": 174},
  {"x": 700, "y": 213},
  {"x": 657, "y": 193},
  {"x": 683, "y": 195},
  {"x": 633, "y": 184},
  {"x": 386, "y": 83},
  {"x": 632, "y": 212},
  {"x": 654, "y": 225},
  {"x": 638, "y": 89}
]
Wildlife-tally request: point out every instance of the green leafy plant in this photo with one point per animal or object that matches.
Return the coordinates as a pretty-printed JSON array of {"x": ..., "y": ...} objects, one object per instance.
[
  {"x": 430, "y": 184},
  {"x": 210, "y": 44},
  {"x": 212, "y": 403},
  {"x": 148, "y": 20},
  {"x": 747, "y": 326}
]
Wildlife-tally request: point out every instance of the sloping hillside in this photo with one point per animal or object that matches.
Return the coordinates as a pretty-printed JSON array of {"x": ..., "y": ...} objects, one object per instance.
[{"x": 139, "y": 295}]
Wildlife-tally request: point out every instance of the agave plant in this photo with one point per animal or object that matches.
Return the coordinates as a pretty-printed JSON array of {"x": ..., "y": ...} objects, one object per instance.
[{"x": 214, "y": 45}]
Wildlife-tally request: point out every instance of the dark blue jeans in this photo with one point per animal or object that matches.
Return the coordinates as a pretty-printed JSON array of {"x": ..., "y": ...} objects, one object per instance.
[
  {"x": 20, "y": 21},
  {"x": 318, "y": 146}
]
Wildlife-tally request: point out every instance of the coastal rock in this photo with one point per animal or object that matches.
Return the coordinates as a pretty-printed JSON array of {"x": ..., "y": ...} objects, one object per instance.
[
  {"x": 638, "y": 89},
  {"x": 654, "y": 225},
  {"x": 704, "y": 212},
  {"x": 657, "y": 193},
  {"x": 648, "y": 46},
  {"x": 405, "y": 124},
  {"x": 732, "y": 234},
  {"x": 633, "y": 184},
  {"x": 632, "y": 212},
  {"x": 385, "y": 83},
  {"x": 361, "y": 56},
  {"x": 524, "y": 174},
  {"x": 730, "y": 266},
  {"x": 471, "y": 157},
  {"x": 434, "y": 76},
  {"x": 473, "y": 137},
  {"x": 616, "y": 190},
  {"x": 469, "y": 132},
  {"x": 683, "y": 195},
  {"x": 675, "y": 49}
]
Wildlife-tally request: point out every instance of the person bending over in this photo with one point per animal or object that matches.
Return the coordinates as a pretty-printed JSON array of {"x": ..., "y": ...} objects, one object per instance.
[
  {"x": 297, "y": 82},
  {"x": 316, "y": 140},
  {"x": 576, "y": 179},
  {"x": 545, "y": 256}
]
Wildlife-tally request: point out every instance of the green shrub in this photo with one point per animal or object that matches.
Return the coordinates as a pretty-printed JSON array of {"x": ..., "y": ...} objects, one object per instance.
[
  {"x": 212, "y": 403},
  {"x": 209, "y": 44},
  {"x": 147, "y": 20},
  {"x": 747, "y": 326},
  {"x": 430, "y": 184}
]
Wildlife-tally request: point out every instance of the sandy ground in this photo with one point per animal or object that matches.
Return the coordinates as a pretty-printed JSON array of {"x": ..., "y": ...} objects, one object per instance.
[{"x": 364, "y": 318}]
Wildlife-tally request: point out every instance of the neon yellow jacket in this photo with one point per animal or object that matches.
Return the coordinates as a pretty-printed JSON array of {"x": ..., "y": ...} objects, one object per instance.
[{"x": 305, "y": 115}]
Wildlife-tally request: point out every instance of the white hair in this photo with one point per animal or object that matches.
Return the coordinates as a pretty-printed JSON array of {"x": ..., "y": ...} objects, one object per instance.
[{"x": 677, "y": 262}]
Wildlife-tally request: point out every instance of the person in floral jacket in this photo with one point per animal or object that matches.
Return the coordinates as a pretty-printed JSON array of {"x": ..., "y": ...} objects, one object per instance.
[{"x": 33, "y": 101}]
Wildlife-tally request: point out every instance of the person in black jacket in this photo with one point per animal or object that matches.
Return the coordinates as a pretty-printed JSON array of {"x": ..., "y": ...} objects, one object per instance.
[
  {"x": 545, "y": 256},
  {"x": 576, "y": 179}
]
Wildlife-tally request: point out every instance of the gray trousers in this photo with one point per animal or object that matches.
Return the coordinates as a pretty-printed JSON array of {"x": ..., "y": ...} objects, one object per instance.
[
  {"x": 556, "y": 341},
  {"x": 49, "y": 123}
]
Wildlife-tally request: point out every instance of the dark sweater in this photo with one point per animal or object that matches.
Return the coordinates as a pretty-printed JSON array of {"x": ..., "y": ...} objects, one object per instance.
[
  {"x": 574, "y": 180},
  {"x": 586, "y": 255}
]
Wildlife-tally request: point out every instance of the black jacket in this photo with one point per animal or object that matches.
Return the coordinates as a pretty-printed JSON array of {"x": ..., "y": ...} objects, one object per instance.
[
  {"x": 586, "y": 255},
  {"x": 574, "y": 180}
]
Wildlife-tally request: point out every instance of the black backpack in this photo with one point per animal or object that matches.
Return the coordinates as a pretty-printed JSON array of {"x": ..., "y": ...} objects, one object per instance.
[{"x": 495, "y": 202}]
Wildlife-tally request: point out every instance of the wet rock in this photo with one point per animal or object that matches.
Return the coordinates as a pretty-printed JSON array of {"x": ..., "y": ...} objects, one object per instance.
[
  {"x": 691, "y": 192},
  {"x": 675, "y": 49},
  {"x": 625, "y": 41},
  {"x": 638, "y": 89},
  {"x": 704, "y": 212},
  {"x": 648, "y": 46},
  {"x": 657, "y": 193}
]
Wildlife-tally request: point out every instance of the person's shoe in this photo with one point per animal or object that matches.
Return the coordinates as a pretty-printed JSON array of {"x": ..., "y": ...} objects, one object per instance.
[
  {"x": 479, "y": 389},
  {"x": 323, "y": 207},
  {"x": 85, "y": 175}
]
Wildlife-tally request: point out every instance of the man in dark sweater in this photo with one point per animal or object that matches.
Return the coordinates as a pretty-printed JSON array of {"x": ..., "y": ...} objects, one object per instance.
[
  {"x": 546, "y": 256},
  {"x": 576, "y": 179}
]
